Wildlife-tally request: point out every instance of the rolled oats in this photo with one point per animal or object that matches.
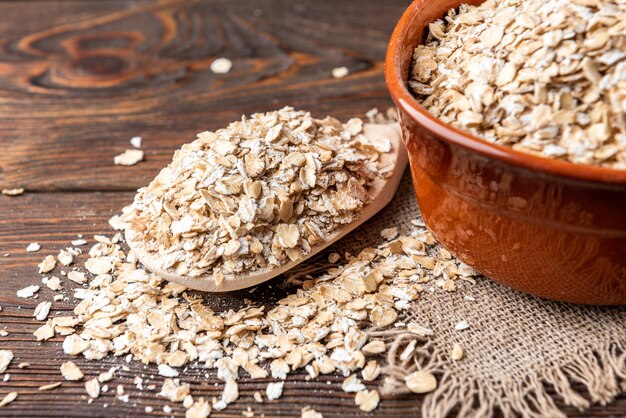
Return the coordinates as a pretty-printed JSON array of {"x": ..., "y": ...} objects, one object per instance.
[
  {"x": 199, "y": 409},
  {"x": 13, "y": 192},
  {"x": 255, "y": 195},
  {"x": 421, "y": 382},
  {"x": 129, "y": 157},
  {"x": 126, "y": 311},
  {"x": 308, "y": 412},
  {"x": 9, "y": 397},
  {"x": 546, "y": 77},
  {"x": 457, "y": 352},
  {"x": 28, "y": 291},
  {"x": 274, "y": 390},
  {"x": 6, "y": 356},
  {"x": 340, "y": 72},
  {"x": 50, "y": 386},
  {"x": 367, "y": 400},
  {"x": 48, "y": 264},
  {"x": 42, "y": 310},
  {"x": 221, "y": 65},
  {"x": 92, "y": 386},
  {"x": 71, "y": 371}
]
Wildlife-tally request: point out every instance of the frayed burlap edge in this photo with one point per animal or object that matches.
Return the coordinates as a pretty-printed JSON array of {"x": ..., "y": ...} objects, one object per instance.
[{"x": 600, "y": 369}]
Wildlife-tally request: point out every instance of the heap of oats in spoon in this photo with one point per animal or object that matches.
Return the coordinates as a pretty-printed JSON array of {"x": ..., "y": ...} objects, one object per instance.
[
  {"x": 256, "y": 194},
  {"x": 546, "y": 77}
]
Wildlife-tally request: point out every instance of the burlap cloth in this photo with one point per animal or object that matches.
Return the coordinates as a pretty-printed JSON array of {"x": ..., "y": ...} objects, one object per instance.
[{"x": 517, "y": 346}]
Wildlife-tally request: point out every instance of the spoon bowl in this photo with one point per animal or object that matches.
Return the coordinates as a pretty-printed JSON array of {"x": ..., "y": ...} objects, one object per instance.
[{"x": 381, "y": 191}]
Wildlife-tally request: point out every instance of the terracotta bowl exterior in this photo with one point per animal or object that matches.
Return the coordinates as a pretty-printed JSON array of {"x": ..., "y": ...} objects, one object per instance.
[{"x": 549, "y": 228}]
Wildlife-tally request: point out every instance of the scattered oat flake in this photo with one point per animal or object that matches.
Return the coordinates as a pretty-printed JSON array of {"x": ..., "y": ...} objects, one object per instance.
[
  {"x": 463, "y": 325},
  {"x": 421, "y": 382},
  {"x": 33, "y": 247},
  {"x": 54, "y": 283},
  {"x": 340, "y": 72},
  {"x": 42, "y": 310},
  {"x": 13, "y": 192},
  {"x": 419, "y": 329},
  {"x": 229, "y": 395},
  {"x": 221, "y": 65},
  {"x": 44, "y": 332},
  {"x": 129, "y": 157},
  {"x": 374, "y": 347},
  {"x": 28, "y": 291},
  {"x": 99, "y": 265},
  {"x": 65, "y": 257},
  {"x": 71, "y": 371},
  {"x": 135, "y": 141},
  {"x": 308, "y": 412},
  {"x": 92, "y": 386},
  {"x": 10, "y": 397},
  {"x": 5, "y": 359},
  {"x": 174, "y": 390},
  {"x": 78, "y": 242},
  {"x": 371, "y": 371},
  {"x": 367, "y": 400},
  {"x": 352, "y": 384},
  {"x": 258, "y": 397},
  {"x": 457, "y": 352},
  {"x": 74, "y": 344},
  {"x": 50, "y": 386},
  {"x": 274, "y": 390},
  {"x": 77, "y": 277},
  {"x": 117, "y": 223},
  {"x": 106, "y": 376},
  {"x": 408, "y": 350},
  {"x": 48, "y": 264},
  {"x": 167, "y": 371},
  {"x": 199, "y": 409},
  {"x": 389, "y": 233}
]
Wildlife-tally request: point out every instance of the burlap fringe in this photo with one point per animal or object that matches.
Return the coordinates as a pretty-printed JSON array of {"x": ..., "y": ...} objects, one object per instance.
[{"x": 601, "y": 370}]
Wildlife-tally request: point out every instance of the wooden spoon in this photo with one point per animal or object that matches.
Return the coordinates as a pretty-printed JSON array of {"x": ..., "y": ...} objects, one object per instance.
[{"x": 381, "y": 192}]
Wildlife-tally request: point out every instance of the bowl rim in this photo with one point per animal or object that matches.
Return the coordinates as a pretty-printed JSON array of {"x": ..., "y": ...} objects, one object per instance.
[{"x": 406, "y": 101}]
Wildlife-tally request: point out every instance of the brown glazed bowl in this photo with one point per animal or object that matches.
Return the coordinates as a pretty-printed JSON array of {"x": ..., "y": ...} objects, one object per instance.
[{"x": 546, "y": 227}]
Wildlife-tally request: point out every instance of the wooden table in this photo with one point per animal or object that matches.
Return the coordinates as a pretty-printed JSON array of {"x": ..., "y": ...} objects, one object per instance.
[{"x": 78, "y": 79}]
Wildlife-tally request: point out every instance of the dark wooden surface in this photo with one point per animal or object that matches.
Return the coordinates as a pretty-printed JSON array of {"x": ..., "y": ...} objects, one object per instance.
[{"x": 78, "y": 79}]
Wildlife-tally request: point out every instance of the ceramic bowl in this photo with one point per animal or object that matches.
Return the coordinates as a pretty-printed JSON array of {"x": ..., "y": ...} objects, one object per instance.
[{"x": 546, "y": 227}]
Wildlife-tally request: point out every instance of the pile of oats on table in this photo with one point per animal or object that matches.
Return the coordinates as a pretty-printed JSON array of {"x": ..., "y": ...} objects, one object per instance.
[
  {"x": 546, "y": 77},
  {"x": 257, "y": 194},
  {"x": 333, "y": 320},
  {"x": 321, "y": 326}
]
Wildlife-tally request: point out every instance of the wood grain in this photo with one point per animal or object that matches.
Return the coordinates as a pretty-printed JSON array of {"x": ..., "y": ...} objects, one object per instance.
[{"x": 78, "y": 79}]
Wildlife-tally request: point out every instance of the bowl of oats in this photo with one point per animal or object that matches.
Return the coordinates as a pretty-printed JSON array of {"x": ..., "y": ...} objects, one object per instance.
[{"x": 513, "y": 113}]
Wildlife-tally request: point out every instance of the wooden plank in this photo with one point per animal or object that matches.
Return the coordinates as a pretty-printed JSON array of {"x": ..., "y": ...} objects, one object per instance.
[
  {"x": 53, "y": 220},
  {"x": 79, "y": 79}
]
